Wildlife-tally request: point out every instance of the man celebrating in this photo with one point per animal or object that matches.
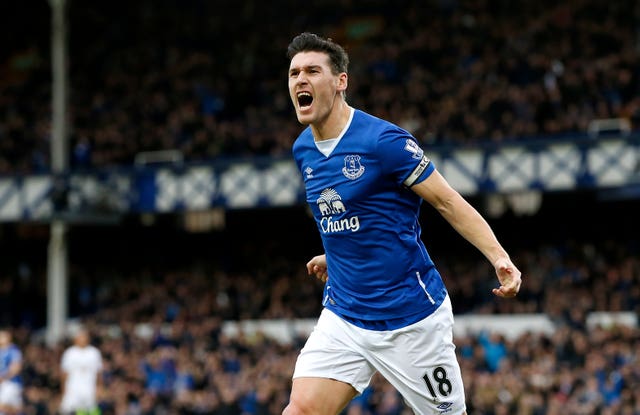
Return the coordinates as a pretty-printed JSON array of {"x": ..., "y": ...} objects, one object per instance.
[{"x": 386, "y": 308}]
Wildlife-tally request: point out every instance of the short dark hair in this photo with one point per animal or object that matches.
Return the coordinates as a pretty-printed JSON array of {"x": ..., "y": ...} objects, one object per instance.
[{"x": 310, "y": 42}]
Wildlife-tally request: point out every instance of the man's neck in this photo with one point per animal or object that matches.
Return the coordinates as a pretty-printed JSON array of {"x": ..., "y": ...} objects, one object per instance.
[{"x": 335, "y": 122}]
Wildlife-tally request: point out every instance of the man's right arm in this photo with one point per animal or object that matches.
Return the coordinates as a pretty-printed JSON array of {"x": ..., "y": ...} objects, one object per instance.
[{"x": 318, "y": 266}]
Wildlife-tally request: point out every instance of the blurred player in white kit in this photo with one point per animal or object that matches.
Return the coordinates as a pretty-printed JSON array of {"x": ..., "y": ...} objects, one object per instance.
[{"x": 81, "y": 365}]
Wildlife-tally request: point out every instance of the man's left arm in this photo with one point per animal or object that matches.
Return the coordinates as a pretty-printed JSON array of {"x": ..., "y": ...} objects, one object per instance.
[{"x": 468, "y": 222}]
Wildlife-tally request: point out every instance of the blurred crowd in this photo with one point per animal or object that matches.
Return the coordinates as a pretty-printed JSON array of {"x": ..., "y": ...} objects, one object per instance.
[
  {"x": 181, "y": 361},
  {"x": 208, "y": 79}
]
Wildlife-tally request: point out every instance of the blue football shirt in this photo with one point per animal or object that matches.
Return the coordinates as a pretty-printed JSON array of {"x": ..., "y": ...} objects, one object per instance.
[
  {"x": 357, "y": 185},
  {"x": 9, "y": 355}
]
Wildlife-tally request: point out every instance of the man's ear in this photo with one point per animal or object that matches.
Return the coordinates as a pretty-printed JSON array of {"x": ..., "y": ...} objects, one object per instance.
[{"x": 343, "y": 81}]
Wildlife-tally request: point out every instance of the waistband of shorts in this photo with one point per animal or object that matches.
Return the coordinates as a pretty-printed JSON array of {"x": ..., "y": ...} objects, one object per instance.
[{"x": 386, "y": 325}]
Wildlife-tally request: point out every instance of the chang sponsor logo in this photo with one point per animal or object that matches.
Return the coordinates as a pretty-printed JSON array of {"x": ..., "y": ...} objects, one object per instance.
[{"x": 330, "y": 204}]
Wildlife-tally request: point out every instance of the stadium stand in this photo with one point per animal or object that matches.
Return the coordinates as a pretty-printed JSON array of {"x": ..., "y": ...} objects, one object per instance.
[
  {"x": 451, "y": 73},
  {"x": 156, "y": 300}
]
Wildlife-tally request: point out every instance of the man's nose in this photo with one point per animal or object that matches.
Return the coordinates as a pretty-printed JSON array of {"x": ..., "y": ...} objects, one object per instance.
[{"x": 302, "y": 77}]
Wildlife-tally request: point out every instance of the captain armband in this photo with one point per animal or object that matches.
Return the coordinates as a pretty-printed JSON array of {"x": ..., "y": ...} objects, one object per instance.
[{"x": 415, "y": 174}]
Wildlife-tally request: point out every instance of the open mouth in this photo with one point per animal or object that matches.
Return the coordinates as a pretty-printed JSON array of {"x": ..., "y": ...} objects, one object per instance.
[{"x": 304, "y": 100}]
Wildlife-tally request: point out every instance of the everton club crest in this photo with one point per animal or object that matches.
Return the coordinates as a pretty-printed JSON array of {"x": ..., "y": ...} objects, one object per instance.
[{"x": 352, "y": 168}]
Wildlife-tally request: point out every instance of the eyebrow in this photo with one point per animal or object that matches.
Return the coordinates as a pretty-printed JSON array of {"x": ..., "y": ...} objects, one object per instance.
[{"x": 304, "y": 67}]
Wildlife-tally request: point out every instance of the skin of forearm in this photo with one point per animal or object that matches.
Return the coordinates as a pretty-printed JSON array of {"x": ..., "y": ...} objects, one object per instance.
[
  {"x": 466, "y": 220},
  {"x": 463, "y": 217}
]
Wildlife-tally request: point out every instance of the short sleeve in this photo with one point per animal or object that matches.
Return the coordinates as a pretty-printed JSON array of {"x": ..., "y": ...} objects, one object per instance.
[{"x": 402, "y": 158}]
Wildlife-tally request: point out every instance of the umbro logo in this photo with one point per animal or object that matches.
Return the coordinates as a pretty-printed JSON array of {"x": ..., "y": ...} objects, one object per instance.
[
  {"x": 309, "y": 172},
  {"x": 445, "y": 407}
]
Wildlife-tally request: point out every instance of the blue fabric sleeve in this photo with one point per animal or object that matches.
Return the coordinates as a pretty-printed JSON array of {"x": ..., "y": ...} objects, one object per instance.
[{"x": 402, "y": 158}]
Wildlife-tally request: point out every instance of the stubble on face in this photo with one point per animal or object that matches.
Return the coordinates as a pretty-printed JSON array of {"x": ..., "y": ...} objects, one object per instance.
[{"x": 312, "y": 87}]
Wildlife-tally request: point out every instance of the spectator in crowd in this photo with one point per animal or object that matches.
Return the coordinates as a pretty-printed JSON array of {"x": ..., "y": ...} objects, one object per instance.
[{"x": 493, "y": 348}]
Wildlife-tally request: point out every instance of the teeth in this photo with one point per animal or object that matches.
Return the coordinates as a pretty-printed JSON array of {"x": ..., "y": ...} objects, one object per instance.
[{"x": 303, "y": 94}]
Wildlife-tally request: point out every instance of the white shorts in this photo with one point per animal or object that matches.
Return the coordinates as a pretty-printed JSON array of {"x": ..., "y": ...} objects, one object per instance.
[
  {"x": 77, "y": 400},
  {"x": 11, "y": 394},
  {"x": 418, "y": 360}
]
